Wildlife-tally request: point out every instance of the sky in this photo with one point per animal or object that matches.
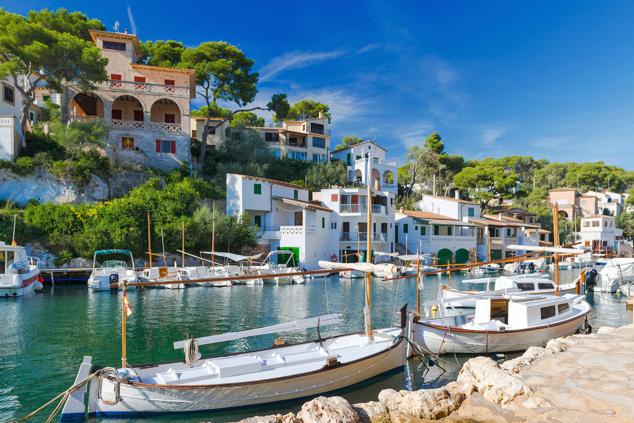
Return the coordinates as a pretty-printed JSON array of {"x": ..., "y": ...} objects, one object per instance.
[{"x": 550, "y": 79}]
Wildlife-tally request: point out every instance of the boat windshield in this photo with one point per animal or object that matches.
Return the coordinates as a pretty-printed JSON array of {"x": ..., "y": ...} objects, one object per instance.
[{"x": 109, "y": 264}]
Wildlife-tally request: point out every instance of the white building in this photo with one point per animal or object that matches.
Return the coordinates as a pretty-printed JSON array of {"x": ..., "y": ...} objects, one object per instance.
[
  {"x": 447, "y": 238},
  {"x": 11, "y": 132},
  {"x": 306, "y": 140},
  {"x": 453, "y": 207},
  {"x": 608, "y": 201},
  {"x": 356, "y": 158},
  {"x": 285, "y": 216},
  {"x": 599, "y": 232}
]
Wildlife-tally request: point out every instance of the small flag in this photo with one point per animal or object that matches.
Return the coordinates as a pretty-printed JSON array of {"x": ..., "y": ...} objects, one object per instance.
[
  {"x": 14, "y": 243},
  {"x": 128, "y": 307}
]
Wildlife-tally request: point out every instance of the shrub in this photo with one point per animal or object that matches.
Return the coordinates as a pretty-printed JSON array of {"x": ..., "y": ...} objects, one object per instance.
[
  {"x": 24, "y": 166},
  {"x": 6, "y": 164}
]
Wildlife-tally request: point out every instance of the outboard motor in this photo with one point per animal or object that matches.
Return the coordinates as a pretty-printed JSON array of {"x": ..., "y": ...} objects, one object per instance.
[
  {"x": 113, "y": 280},
  {"x": 591, "y": 278},
  {"x": 531, "y": 267}
]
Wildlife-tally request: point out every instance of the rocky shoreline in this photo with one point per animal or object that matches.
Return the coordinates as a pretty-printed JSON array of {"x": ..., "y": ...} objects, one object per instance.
[{"x": 581, "y": 378}]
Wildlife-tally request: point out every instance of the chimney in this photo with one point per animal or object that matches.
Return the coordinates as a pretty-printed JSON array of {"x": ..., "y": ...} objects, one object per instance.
[{"x": 456, "y": 194}]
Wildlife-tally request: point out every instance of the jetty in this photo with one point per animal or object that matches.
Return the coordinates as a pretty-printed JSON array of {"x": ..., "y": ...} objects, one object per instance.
[{"x": 580, "y": 378}]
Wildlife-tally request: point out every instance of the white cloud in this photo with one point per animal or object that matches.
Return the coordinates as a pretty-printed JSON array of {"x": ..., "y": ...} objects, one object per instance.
[
  {"x": 490, "y": 135},
  {"x": 296, "y": 60},
  {"x": 368, "y": 48},
  {"x": 133, "y": 27}
]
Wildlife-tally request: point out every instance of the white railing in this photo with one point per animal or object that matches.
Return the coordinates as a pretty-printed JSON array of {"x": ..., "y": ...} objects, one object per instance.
[
  {"x": 362, "y": 208},
  {"x": 7, "y": 121},
  {"x": 133, "y": 124},
  {"x": 165, "y": 127},
  {"x": 147, "y": 88},
  {"x": 127, "y": 124},
  {"x": 363, "y": 236}
]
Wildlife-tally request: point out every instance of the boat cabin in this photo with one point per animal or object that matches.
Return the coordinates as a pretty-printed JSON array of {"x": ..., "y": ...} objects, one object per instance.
[
  {"x": 13, "y": 258},
  {"x": 524, "y": 284},
  {"x": 522, "y": 312}
]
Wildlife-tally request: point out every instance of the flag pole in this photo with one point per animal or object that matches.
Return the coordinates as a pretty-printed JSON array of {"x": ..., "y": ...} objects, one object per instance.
[
  {"x": 13, "y": 241},
  {"x": 149, "y": 239}
]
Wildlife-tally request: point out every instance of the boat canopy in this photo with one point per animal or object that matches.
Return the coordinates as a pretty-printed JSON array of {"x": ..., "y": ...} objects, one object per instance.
[
  {"x": 559, "y": 250},
  {"x": 232, "y": 256},
  {"x": 412, "y": 257},
  {"x": 381, "y": 253},
  {"x": 113, "y": 251}
]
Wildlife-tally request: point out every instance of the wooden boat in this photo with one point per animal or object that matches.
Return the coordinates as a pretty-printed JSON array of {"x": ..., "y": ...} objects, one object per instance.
[
  {"x": 19, "y": 274},
  {"x": 525, "y": 284},
  {"x": 112, "y": 273},
  {"x": 268, "y": 268},
  {"x": 503, "y": 323},
  {"x": 164, "y": 274}
]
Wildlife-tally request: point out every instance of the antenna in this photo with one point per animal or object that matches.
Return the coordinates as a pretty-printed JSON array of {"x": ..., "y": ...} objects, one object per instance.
[{"x": 116, "y": 26}]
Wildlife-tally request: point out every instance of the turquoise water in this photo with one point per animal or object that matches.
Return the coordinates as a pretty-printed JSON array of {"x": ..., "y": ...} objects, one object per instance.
[{"x": 43, "y": 337}]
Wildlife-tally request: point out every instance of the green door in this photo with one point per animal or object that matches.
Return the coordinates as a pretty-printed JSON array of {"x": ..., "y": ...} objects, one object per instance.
[
  {"x": 462, "y": 256},
  {"x": 444, "y": 256},
  {"x": 496, "y": 254}
]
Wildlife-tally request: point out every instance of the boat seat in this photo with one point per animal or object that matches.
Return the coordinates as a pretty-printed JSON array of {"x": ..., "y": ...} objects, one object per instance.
[
  {"x": 304, "y": 357},
  {"x": 235, "y": 366},
  {"x": 189, "y": 375}
]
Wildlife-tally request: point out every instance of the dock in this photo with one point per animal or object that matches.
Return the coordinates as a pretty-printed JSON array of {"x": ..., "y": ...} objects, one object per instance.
[{"x": 66, "y": 276}]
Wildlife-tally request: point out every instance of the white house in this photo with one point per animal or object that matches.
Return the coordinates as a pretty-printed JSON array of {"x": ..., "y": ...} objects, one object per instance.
[
  {"x": 608, "y": 201},
  {"x": 453, "y": 207},
  {"x": 285, "y": 216},
  {"x": 384, "y": 174},
  {"x": 447, "y": 238},
  {"x": 599, "y": 232},
  {"x": 11, "y": 132}
]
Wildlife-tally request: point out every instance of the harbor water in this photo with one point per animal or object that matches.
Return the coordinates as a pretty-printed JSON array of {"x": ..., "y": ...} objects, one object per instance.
[{"x": 44, "y": 336}]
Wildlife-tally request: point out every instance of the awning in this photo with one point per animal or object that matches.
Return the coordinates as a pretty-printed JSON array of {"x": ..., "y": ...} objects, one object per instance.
[
  {"x": 104, "y": 252},
  {"x": 232, "y": 256}
]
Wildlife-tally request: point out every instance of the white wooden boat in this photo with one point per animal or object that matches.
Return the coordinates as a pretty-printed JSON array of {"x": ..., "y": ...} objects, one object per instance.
[
  {"x": 246, "y": 379},
  {"x": 615, "y": 272},
  {"x": 112, "y": 273},
  {"x": 503, "y": 323},
  {"x": 524, "y": 284},
  {"x": 164, "y": 274},
  {"x": 19, "y": 274}
]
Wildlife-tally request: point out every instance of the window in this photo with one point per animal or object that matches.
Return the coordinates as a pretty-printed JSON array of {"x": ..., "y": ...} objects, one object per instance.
[
  {"x": 526, "y": 286},
  {"x": 257, "y": 220},
  {"x": 319, "y": 158},
  {"x": 415, "y": 228},
  {"x": 586, "y": 224},
  {"x": 334, "y": 198},
  {"x": 166, "y": 146},
  {"x": 423, "y": 230},
  {"x": 349, "y": 159},
  {"x": 383, "y": 228},
  {"x": 138, "y": 115},
  {"x": 117, "y": 114},
  {"x": 194, "y": 133},
  {"x": 113, "y": 45},
  {"x": 449, "y": 230},
  {"x": 405, "y": 228},
  {"x": 127, "y": 143},
  {"x": 317, "y": 128},
  {"x": 323, "y": 223},
  {"x": 436, "y": 230},
  {"x": 257, "y": 189},
  {"x": 271, "y": 137},
  {"x": 547, "y": 312},
  {"x": 544, "y": 286},
  {"x": 139, "y": 82},
  {"x": 276, "y": 153},
  {"x": 31, "y": 117},
  {"x": 595, "y": 224},
  {"x": 319, "y": 142},
  {"x": 116, "y": 78},
  {"x": 471, "y": 212},
  {"x": 562, "y": 308},
  {"x": 8, "y": 94},
  {"x": 170, "y": 82},
  {"x": 297, "y": 155},
  {"x": 295, "y": 194},
  {"x": 169, "y": 118}
]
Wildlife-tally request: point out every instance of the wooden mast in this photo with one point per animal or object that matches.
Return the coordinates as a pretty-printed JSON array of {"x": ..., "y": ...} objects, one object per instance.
[
  {"x": 418, "y": 278},
  {"x": 13, "y": 241},
  {"x": 368, "y": 251},
  {"x": 124, "y": 318},
  {"x": 213, "y": 235},
  {"x": 149, "y": 239},
  {"x": 183, "y": 244},
  {"x": 556, "y": 242}
]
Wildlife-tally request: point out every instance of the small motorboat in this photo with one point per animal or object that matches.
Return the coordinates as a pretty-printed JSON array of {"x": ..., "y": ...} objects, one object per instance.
[
  {"x": 280, "y": 273},
  {"x": 111, "y": 273},
  {"x": 503, "y": 323},
  {"x": 19, "y": 274},
  {"x": 164, "y": 274},
  {"x": 615, "y": 272}
]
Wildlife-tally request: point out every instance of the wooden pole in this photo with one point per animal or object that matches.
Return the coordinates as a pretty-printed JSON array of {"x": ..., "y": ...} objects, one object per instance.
[
  {"x": 163, "y": 246},
  {"x": 368, "y": 304},
  {"x": 418, "y": 277},
  {"x": 489, "y": 243},
  {"x": 213, "y": 235},
  {"x": 149, "y": 239},
  {"x": 124, "y": 318},
  {"x": 556, "y": 241},
  {"x": 13, "y": 241},
  {"x": 368, "y": 253},
  {"x": 183, "y": 244}
]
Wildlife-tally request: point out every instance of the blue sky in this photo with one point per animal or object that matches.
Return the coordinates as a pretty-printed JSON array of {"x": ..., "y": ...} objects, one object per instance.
[{"x": 551, "y": 79}]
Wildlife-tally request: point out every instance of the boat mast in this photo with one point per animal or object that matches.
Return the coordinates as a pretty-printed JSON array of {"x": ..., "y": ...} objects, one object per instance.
[
  {"x": 418, "y": 278},
  {"x": 213, "y": 234},
  {"x": 163, "y": 246},
  {"x": 556, "y": 241},
  {"x": 149, "y": 240},
  {"x": 183, "y": 244},
  {"x": 368, "y": 254},
  {"x": 13, "y": 241},
  {"x": 124, "y": 318}
]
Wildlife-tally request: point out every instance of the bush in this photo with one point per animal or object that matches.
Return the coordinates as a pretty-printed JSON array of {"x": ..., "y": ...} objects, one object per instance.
[
  {"x": 24, "y": 166},
  {"x": 6, "y": 164},
  {"x": 80, "y": 170}
]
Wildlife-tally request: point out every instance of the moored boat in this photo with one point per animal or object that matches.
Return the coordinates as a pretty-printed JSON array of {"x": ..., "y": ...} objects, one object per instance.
[
  {"x": 19, "y": 274},
  {"x": 111, "y": 273}
]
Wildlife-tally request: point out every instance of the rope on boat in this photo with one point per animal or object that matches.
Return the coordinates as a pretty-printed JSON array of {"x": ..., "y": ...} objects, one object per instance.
[
  {"x": 191, "y": 352},
  {"x": 117, "y": 393},
  {"x": 63, "y": 395}
]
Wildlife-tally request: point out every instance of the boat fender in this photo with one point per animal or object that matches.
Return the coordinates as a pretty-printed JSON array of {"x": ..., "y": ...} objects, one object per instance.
[
  {"x": 279, "y": 342},
  {"x": 332, "y": 361}
]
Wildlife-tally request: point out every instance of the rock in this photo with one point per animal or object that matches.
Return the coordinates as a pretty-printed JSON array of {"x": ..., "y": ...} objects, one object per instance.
[
  {"x": 462, "y": 387},
  {"x": 328, "y": 410},
  {"x": 275, "y": 418},
  {"x": 372, "y": 412},
  {"x": 424, "y": 404},
  {"x": 80, "y": 262},
  {"x": 491, "y": 381},
  {"x": 536, "y": 402},
  {"x": 556, "y": 345},
  {"x": 604, "y": 330},
  {"x": 530, "y": 355}
]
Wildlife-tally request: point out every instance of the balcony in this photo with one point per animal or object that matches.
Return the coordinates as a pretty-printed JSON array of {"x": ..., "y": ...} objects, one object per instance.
[
  {"x": 145, "y": 88},
  {"x": 362, "y": 208},
  {"x": 133, "y": 124},
  {"x": 363, "y": 236}
]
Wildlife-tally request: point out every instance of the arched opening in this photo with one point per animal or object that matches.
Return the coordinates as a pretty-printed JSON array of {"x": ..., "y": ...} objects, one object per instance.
[
  {"x": 462, "y": 256},
  {"x": 388, "y": 177},
  {"x": 376, "y": 179},
  {"x": 563, "y": 213},
  {"x": 165, "y": 115},
  {"x": 127, "y": 112},
  {"x": 358, "y": 176},
  {"x": 445, "y": 256},
  {"x": 86, "y": 106}
]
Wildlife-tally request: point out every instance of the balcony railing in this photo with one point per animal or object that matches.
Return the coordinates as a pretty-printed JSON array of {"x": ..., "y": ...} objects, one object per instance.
[
  {"x": 146, "y": 88},
  {"x": 363, "y": 208},
  {"x": 363, "y": 236},
  {"x": 134, "y": 124}
]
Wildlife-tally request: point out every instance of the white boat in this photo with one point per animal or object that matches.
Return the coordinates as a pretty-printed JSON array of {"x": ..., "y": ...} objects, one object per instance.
[
  {"x": 112, "y": 273},
  {"x": 386, "y": 270},
  {"x": 527, "y": 266},
  {"x": 19, "y": 274},
  {"x": 351, "y": 274},
  {"x": 520, "y": 284},
  {"x": 164, "y": 274},
  {"x": 488, "y": 269},
  {"x": 278, "y": 374},
  {"x": 279, "y": 273},
  {"x": 615, "y": 272},
  {"x": 409, "y": 266},
  {"x": 503, "y": 323}
]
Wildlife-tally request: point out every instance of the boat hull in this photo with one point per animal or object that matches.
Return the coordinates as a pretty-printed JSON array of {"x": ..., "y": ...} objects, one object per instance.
[
  {"x": 441, "y": 340},
  {"x": 139, "y": 399},
  {"x": 26, "y": 287}
]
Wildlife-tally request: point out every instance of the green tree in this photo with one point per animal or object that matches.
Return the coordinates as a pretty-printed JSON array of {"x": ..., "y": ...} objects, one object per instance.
[
  {"x": 487, "y": 180},
  {"x": 51, "y": 48},
  {"x": 349, "y": 141},
  {"x": 625, "y": 221},
  {"x": 161, "y": 53},
  {"x": 423, "y": 163},
  {"x": 308, "y": 108},
  {"x": 246, "y": 120},
  {"x": 434, "y": 144},
  {"x": 325, "y": 175}
]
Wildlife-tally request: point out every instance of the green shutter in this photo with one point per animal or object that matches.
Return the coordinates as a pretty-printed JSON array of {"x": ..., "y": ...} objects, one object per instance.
[
  {"x": 436, "y": 229},
  {"x": 405, "y": 228},
  {"x": 295, "y": 194},
  {"x": 423, "y": 230},
  {"x": 449, "y": 230},
  {"x": 257, "y": 189},
  {"x": 323, "y": 222}
]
